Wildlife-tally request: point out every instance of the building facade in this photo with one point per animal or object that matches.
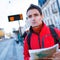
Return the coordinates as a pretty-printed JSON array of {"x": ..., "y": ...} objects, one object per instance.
[{"x": 51, "y": 12}]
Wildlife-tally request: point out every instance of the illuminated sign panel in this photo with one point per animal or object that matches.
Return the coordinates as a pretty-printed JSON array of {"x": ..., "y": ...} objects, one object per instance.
[{"x": 15, "y": 17}]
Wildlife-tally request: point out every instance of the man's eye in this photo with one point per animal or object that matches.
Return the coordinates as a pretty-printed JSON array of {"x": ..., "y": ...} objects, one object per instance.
[{"x": 29, "y": 16}]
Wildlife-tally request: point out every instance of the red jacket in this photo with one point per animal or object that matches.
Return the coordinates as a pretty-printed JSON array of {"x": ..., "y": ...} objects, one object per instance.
[{"x": 37, "y": 39}]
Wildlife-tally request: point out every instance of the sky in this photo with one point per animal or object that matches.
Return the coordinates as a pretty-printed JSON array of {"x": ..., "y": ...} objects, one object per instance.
[{"x": 11, "y": 7}]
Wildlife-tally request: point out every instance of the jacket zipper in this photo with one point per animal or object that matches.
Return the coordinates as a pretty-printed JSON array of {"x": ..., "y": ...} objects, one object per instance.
[{"x": 39, "y": 40}]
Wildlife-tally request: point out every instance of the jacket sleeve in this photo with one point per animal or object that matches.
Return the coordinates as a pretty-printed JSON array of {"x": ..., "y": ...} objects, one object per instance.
[
  {"x": 58, "y": 33},
  {"x": 26, "y": 52}
]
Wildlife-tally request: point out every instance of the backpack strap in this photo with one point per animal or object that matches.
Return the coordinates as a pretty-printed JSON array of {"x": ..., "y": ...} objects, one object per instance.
[
  {"x": 54, "y": 34},
  {"x": 28, "y": 39}
]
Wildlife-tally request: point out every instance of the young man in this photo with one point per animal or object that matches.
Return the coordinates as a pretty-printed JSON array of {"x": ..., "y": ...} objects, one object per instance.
[{"x": 41, "y": 36}]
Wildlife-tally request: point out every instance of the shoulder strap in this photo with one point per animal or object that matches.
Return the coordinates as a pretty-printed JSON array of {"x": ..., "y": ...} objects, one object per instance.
[
  {"x": 28, "y": 39},
  {"x": 54, "y": 34}
]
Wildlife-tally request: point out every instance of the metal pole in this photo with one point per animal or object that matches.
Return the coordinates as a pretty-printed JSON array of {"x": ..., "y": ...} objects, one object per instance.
[{"x": 19, "y": 28}]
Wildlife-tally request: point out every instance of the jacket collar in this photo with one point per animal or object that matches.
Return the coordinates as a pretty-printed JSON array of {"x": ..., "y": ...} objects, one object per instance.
[{"x": 31, "y": 30}]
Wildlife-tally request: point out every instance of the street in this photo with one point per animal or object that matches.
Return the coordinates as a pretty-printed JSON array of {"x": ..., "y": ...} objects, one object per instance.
[{"x": 10, "y": 50}]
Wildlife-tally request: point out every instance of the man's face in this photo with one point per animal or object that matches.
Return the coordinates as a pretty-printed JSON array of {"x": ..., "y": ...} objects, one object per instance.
[{"x": 34, "y": 17}]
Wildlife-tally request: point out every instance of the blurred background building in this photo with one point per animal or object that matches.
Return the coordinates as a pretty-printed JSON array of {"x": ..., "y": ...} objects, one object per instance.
[
  {"x": 2, "y": 34},
  {"x": 51, "y": 11}
]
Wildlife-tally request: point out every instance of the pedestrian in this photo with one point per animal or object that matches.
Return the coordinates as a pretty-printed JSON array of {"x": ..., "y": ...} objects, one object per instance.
[
  {"x": 20, "y": 39},
  {"x": 25, "y": 33},
  {"x": 38, "y": 30}
]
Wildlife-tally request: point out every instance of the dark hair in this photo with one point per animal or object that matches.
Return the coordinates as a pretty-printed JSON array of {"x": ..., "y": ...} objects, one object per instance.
[{"x": 32, "y": 6}]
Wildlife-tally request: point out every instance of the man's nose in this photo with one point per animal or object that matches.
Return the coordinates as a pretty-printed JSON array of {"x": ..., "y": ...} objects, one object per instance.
[{"x": 33, "y": 18}]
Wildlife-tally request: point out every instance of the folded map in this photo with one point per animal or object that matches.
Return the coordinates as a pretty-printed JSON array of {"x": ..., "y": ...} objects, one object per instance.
[{"x": 41, "y": 53}]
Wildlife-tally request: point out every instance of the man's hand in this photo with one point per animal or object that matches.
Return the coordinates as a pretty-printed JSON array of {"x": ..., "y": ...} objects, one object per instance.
[{"x": 56, "y": 56}]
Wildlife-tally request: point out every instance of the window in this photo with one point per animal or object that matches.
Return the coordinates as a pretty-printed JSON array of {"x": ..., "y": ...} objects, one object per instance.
[{"x": 54, "y": 7}]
